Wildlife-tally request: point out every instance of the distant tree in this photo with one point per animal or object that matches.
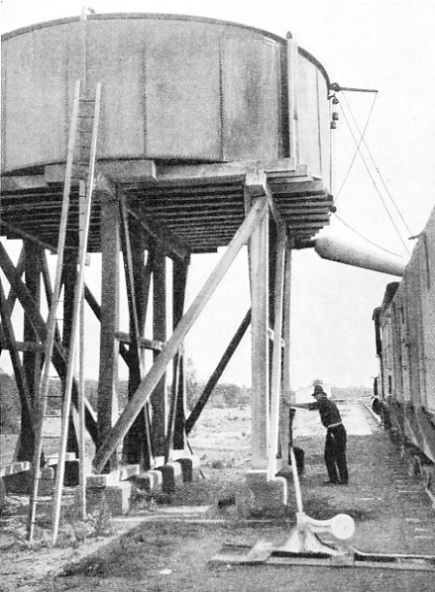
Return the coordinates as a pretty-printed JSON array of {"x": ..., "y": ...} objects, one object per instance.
[
  {"x": 227, "y": 394},
  {"x": 193, "y": 387},
  {"x": 348, "y": 392}
]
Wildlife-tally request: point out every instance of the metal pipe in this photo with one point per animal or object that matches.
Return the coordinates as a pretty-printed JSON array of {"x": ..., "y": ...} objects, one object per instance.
[{"x": 366, "y": 256}]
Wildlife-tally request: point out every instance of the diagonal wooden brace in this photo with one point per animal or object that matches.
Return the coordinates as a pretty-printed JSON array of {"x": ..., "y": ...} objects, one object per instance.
[{"x": 148, "y": 384}]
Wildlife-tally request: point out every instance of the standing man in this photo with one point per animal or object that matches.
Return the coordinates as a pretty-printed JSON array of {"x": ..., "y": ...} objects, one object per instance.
[{"x": 336, "y": 437}]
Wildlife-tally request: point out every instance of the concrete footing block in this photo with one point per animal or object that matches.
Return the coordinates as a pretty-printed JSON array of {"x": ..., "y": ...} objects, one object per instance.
[
  {"x": 151, "y": 481},
  {"x": 116, "y": 496},
  {"x": 172, "y": 476},
  {"x": 270, "y": 495},
  {"x": 47, "y": 480},
  {"x": 189, "y": 468},
  {"x": 72, "y": 470},
  {"x": 103, "y": 480}
]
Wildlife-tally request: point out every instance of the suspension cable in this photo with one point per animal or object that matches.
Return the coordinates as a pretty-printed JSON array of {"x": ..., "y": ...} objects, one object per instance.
[
  {"x": 375, "y": 185},
  {"x": 377, "y": 169},
  {"x": 359, "y": 143},
  {"x": 362, "y": 236}
]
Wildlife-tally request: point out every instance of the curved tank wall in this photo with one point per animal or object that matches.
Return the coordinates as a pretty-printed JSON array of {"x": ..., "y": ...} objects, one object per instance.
[{"x": 173, "y": 88}]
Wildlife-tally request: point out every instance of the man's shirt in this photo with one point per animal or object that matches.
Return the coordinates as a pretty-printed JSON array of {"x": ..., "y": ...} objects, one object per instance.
[{"x": 329, "y": 413}]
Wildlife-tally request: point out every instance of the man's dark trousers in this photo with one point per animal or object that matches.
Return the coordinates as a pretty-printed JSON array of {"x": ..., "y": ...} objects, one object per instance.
[{"x": 335, "y": 454}]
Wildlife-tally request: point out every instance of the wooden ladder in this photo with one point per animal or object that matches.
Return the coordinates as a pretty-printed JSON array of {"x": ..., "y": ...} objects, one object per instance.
[{"x": 80, "y": 164}]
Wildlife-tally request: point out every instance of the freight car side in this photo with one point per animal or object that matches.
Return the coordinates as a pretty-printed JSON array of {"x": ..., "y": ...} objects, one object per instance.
[{"x": 405, "y": 344}]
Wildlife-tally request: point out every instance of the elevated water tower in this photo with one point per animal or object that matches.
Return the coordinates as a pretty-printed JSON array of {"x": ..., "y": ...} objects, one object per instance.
[{"x": 211, "y": 134}]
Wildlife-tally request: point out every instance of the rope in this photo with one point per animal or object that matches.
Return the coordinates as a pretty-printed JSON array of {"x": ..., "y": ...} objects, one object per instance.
[
  {"x": 376, "y": 186},
  {"x": 359, "y": 143}
]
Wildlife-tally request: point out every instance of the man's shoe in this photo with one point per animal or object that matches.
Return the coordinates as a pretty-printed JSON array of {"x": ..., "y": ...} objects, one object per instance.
[
  {"x": 344, "y": 483},
  {"x": 330, "y": 483}
]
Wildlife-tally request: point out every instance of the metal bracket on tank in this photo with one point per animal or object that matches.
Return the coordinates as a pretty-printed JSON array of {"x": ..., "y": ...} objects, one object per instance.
[{"x": 337, "y": 88}]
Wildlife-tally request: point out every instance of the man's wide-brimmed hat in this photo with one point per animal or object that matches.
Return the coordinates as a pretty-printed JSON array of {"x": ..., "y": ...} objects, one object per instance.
[{"x": 318, "y": 390}]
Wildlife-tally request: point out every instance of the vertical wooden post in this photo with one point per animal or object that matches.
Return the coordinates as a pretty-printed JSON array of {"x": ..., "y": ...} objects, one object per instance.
[
  {"x": 272, "y": 239},
  {"x": 259, "y": 274},
  {"x": 179, "y": 283},
  {"x": 136, "y": 449},
  {"x": 277, "y": 353},
  {"x": 108, "y": 376},
  {"x": 148, "y": 384},
  {"x": 286, "y": 384},
  {"x": 31, "y": 362},
  {"x": 69, "y": 277},
  {"x": 159, "y": 400}
]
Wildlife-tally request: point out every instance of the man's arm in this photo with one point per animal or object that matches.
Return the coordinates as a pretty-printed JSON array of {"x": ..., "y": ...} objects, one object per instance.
[{"x": 308, "y": 406}]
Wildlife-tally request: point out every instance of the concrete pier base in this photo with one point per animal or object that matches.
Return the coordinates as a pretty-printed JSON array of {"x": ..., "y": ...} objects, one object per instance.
[
  {"x": 117, "y": 497},
  {"x": 189, "y": 468},
  {"x": 172, "y": 476},
  {"x": 270, "y": 495},
  {"x": 151, "y": 481}
]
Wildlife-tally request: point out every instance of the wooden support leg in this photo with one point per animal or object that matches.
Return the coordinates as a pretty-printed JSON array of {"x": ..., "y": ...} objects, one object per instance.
[
  {"x": 148, "y": 384},
  {"x": 179, "y": 283},
  {"x": 108, "y": 378},
  {"x": 31, "y": 361},
  {"x": 285, "y": 425},
  {"x": 32, "y": 312},
  {"x": 12, "y": 296},
  {"x": 212, "y": 382},
  {"x": 179, "y": 440},
  {"x": 20, "y": 376},
  {"x": 137, "y": 443},
  {"x": 69, "y": 277},
  {"x": 159, "y": 398},
  {"x": 277, "y": 353},
  {"x": 258, "y": 260}
]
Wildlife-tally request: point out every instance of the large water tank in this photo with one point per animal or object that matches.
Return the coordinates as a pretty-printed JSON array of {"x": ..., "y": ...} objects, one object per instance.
[{"x": 173, "y": 88}]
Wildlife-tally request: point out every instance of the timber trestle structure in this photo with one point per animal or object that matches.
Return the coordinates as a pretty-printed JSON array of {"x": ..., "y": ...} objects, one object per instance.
[{"x": 151, "y": 211}]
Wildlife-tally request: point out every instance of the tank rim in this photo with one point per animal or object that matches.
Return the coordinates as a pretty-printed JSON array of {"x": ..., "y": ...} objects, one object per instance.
[{"x": 161, "y": 16}]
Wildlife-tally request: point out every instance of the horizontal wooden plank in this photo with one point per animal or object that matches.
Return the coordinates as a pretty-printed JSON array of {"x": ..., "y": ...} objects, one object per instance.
[
  {"x": 23, "y": 182},
  {"x": 128, "y": 171},
  {"x": 215, "y": 172},
  {"x": 22, "y": 345},
  {"x": 146, "y": 343},
  {"x": 190, "y": 219},
  {"x": 14, "y": 468}
]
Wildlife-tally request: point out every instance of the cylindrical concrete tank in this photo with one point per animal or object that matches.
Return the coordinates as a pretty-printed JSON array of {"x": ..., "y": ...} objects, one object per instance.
[{"x": 174, "y": 88}]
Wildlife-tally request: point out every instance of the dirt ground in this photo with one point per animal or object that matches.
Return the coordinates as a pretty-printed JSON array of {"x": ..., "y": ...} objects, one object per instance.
[{"x": 166, "y": 544}]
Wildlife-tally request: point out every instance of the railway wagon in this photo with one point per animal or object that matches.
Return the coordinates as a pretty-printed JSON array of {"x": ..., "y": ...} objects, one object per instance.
[{"x": 405, "y": 343}]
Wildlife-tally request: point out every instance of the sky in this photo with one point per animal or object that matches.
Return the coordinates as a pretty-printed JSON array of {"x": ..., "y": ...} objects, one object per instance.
[{"x": 387, "y": 46}]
